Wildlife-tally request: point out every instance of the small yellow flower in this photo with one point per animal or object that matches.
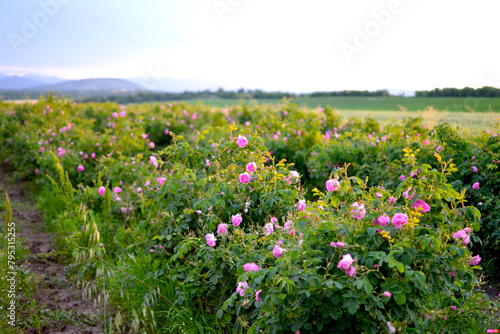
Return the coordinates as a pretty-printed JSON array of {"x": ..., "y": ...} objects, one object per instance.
[{"x": 385, "y": 235}]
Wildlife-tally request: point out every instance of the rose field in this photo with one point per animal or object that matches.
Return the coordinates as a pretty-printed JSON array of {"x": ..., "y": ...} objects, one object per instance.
[{"x": 190, "y": 218}]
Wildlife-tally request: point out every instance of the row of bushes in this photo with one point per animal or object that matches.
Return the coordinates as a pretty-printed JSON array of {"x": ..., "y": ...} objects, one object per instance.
[{"x": 193, "y": 222}]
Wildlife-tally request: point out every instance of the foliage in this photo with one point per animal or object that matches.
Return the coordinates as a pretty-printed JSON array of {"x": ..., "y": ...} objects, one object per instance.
[{"x": 178, "y": 200}]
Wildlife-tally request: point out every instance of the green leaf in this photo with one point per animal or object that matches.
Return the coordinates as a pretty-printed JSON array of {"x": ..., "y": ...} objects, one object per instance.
[
  {"x": 301, "y": 224},
  {"x": 400, "y": 267},
  {"x": 368, "y": 288},
  {"x": 400, "y": 299},
  {"x": 351, "y": 305}
]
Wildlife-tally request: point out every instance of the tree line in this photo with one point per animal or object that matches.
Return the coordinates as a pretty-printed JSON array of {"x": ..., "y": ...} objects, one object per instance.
[
  {"x": 485, "y": 91},
  {"x": 241, "y": 94},
  {"x": 148, "y": 96}
]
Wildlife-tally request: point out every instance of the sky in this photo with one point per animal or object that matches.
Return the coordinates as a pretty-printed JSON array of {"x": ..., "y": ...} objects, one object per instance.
[{"x": 285, "y": 45}]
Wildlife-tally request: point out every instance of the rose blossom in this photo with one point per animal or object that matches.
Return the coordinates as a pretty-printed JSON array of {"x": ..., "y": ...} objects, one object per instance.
[
  {"x": 222, "y": 229},
  {"x": 210, "y": 239},
  {"x": 399, "y": 219},
  {"x": 242, "y": 141},
  {"x": 345, "y": 262},
  {"x": 257, "y": 298},
  {"x": 351, "y": 271},
  {"x": 101, "y": 191},
  {"x": 383, "y": 220},
  {"x": 268, "y": 228},
  {"x": 236, "y": 219},
  {"x": 251, "y": 167},
  {"x": 358, "y": 210},
  {"x": 332, "y": 185},
  {"x": 421, "y": 206},
  {"x": 245, "y": 177},
  {"x": 242, "y": 287},
  {"x": 250, "y": 267},
  {"x": 161, "y": 181},
  {"x": 475, "y": 260},
  {"x": 302, "y": 205},
  {"x": 277, "y": 251}
]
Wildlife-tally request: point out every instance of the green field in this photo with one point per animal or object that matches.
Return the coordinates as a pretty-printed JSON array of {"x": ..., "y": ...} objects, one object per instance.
[
  {"x": 391, "y": 103},
  {"x": 474, "y": 114}
]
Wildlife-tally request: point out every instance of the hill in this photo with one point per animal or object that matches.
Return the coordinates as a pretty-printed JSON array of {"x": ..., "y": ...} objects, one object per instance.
[
  {"x": 18, "y": 82},
  {"x": 104, "y": 84}
]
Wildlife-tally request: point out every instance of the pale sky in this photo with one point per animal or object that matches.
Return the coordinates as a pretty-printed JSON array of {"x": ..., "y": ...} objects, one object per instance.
[{"x": 283, "y": 45}]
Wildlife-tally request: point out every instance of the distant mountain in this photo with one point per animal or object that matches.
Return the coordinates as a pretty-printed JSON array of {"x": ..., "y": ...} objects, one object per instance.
[
  {"x": 44, "y": 79},
  {"x": 181, "y": 84},
  {"x": 15, "y": 82},
  {"x": 104, "y": 84}
]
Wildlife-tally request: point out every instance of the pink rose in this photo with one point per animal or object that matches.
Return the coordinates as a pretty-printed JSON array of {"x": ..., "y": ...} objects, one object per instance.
[
  {"x": 80, "y": 168},
  {"x": 383, "y": 220},
  {"x": 268, "y": 228},
  {"x": 101, "y": 191},
  {"x": 351, "y": 271},
  {"x": 245, "y": 177},
  {"x": 236, "y": 219},
  {"x": 257, "y": 296},
  {"x": 250, "y": 267},
  {"x": 222, "y": 229},
  {"x": 161, "y": 181},
  {"x": 242, "y": 141},
  {"x": 302, "y": 205},
  {"x": 407, "y": 196},
  {"x": 277, "y": 251},
  {"x": 399, "y": 219},
  {"x": 387, "y": 294},
  {"x": 117, "y": 190},
  {"x": 332, "y": 185},
  {"x": 242, "y": 287},
  {"x": 475, "y": 260},
  {"x": 475, "y": 185},
  {"x": 421, "y": 206},
  {"x": 461, "y": 234},
  {"x": 210, "y": 237},
  {"x": 345, "y": 262},
  {"x": 358, "y": 210},
  {"x": 251, "y": 167}
]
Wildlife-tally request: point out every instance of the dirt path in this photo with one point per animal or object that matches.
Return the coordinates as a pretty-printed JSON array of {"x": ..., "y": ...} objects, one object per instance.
[{"x": 60, "y": 308}]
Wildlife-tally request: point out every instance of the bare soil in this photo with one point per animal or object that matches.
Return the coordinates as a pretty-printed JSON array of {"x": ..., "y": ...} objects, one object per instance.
[{"x": 56, "y": 294}]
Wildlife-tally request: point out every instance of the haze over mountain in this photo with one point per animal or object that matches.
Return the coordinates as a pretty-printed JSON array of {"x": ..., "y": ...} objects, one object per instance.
[
  {"x": 174, "y": 85},
  {"x": 102, "y": 84},
  {"x": 18, "y": 82}
]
